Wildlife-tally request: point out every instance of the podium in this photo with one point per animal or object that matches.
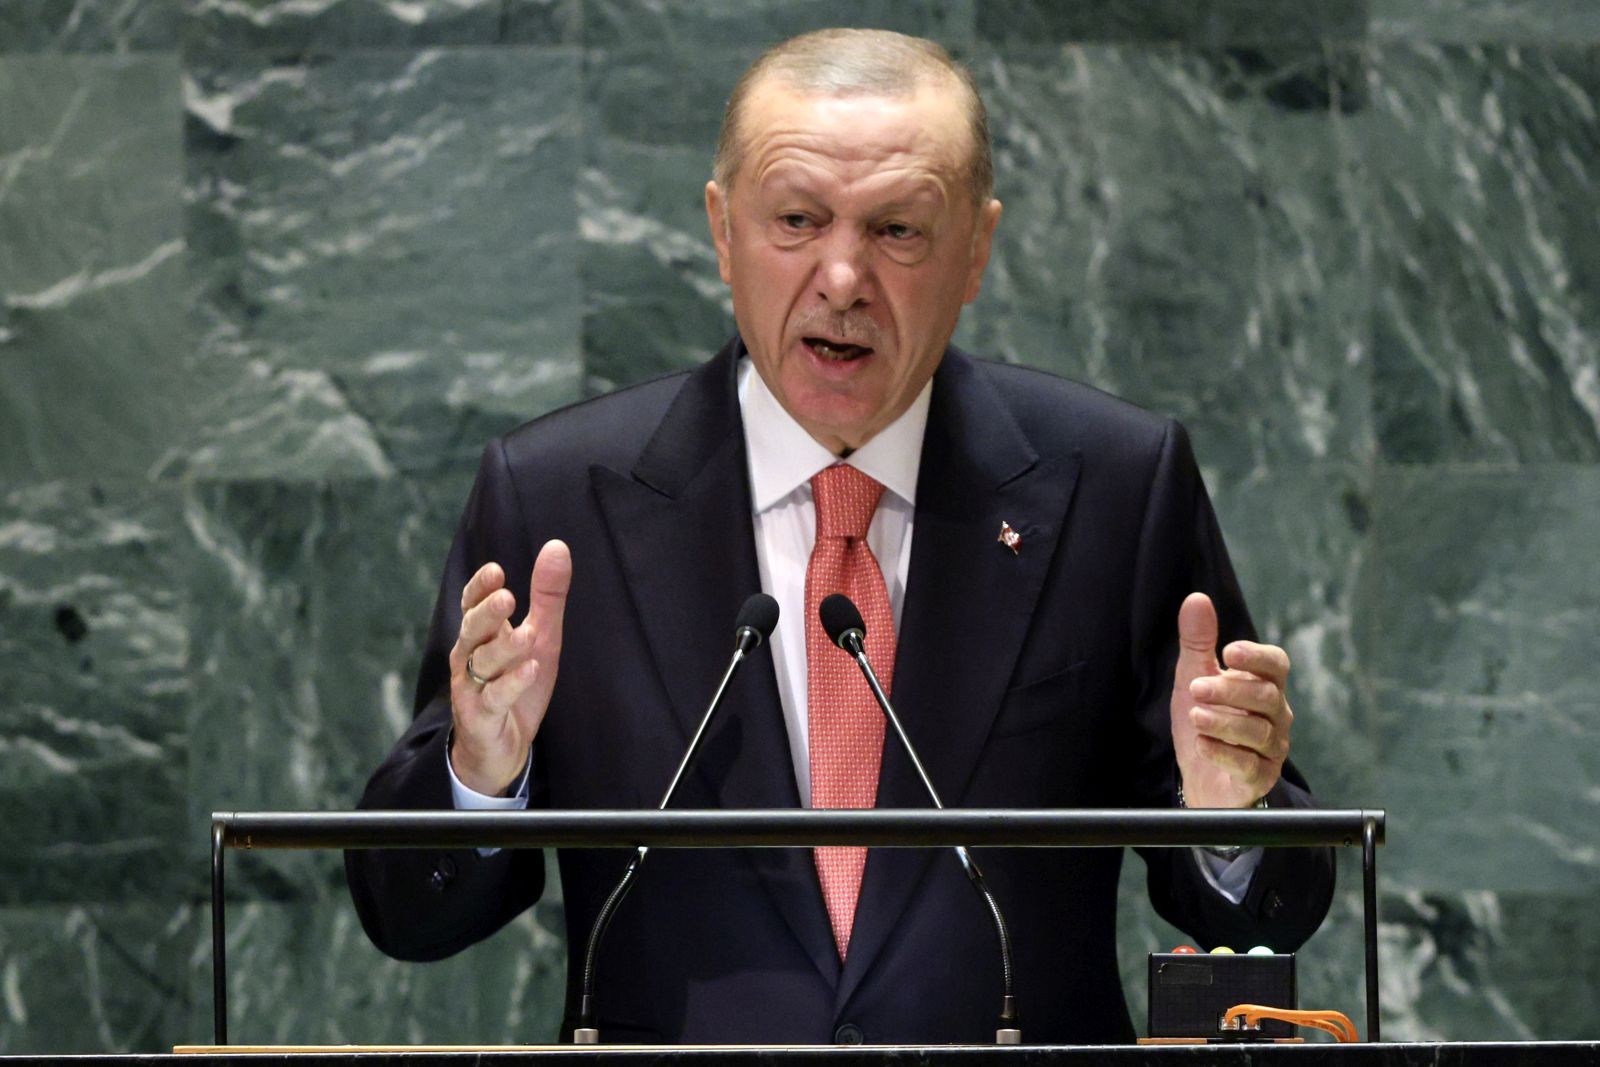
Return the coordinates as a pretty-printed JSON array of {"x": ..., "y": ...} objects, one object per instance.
[
  {"x": 1509, "y": 1054},
  {"x": 790, "y": 828}
]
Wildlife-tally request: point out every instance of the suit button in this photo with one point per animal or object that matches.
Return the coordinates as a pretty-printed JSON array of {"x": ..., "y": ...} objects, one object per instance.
[
  {"x": 848, "y": 1034},
  {"x": 444, "y": 872},
  {"x": 1274, "y": 904}
]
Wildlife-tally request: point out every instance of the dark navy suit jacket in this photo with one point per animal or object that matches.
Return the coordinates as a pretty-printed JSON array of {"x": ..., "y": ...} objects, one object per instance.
[{"x": 1032, "y": 680}]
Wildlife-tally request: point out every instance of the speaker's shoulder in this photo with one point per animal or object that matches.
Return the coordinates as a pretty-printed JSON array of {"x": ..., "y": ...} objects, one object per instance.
[
  {"x": 608, "y": 429},
  {"x": 1053, "y": 409}
]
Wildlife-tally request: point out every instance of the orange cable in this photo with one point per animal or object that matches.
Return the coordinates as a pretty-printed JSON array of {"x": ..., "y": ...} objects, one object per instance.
[{"x": 1334, "y": 1022}]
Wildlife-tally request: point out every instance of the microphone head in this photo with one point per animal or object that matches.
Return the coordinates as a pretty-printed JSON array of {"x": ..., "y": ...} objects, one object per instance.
[
  {"x": 758, "y": 613},
  {"x": 839, "y": 616}
]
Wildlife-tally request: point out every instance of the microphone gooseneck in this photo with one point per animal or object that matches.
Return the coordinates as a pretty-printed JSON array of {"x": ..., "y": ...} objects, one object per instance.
[
  {"x": 757, "y": 618},
  {"x": 842, "y": 622}
]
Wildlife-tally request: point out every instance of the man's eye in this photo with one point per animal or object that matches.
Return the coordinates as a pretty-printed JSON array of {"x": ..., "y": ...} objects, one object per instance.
[
  {"x": 795, "y": 221},
  {"x": 898, "y": 231}
]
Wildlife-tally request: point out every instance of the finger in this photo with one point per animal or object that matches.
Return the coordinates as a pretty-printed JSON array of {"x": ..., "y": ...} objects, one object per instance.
[
  {"x": 500, "y": 695},
  {"x": 484, "y": 581},
  {"x": 501, "y": 653},
  {"x": 484, "y": 620},
  {"x": 1243, "y": 765},
  {"x": 1236, "y": 689},
  {"x": 547, "y": 597},
  {"x": 1269, "y": 661},
  {"x": 1251, "y": 732},
  {"x": 482, "y": 623},
  {"x": 1197, "y": 628}
]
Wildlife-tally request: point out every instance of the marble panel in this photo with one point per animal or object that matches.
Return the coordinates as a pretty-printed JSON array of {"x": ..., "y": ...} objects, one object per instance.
[
  {"x": 94, "y": 659},
  {"x": 98, "y": 978},
  {"x": 383, "y": 248},
  {"x": 1184, "y": 229},
  {"x": 327, "y": 25},
  {"x": 1484, "y": 21},
  {"x": 1203, "y": 22},
  {"x": 542, "y": 21},
  {"x": 1478, "y": 613},
  {"x": 689, "y": 25},
  {"x": 91, "y": 266},
  {"x": 1486, "y": 966},
  {"x": 306, "y": 647},
  {"x": 88, "y": 25},
  {"x": 306, "y": 973},
  {"x": 1298, "y": 539},
  {"x": 1487, "y": 248},
  {"x": 653, "y": 299}
]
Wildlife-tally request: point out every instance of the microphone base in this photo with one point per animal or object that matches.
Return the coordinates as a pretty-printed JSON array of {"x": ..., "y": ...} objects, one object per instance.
[
  {"x": 586, "y": 1035},
  {"x": 1008, "y": 1037}
]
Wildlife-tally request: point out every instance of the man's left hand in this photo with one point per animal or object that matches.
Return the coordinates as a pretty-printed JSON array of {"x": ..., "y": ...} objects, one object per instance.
[{"x": 1230, "y": 721}]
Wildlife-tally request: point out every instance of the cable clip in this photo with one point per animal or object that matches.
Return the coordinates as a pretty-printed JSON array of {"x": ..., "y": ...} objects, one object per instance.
[{"x": 1243, "y": 1018}]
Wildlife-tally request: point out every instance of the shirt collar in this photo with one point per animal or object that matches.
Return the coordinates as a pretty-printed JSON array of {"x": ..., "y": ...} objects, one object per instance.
[{"x": 784, "y": 457}]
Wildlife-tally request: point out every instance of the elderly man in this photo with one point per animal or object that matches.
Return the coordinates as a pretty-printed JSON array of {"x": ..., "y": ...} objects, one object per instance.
[{"x": 1039, "y": 564}]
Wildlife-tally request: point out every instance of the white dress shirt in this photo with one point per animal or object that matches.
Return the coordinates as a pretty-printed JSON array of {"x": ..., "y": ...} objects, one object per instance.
[{"x": 783, "y": 458}]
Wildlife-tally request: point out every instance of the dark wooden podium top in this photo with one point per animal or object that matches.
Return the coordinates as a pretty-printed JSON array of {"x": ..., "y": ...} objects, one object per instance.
[{"x": 1448, "y": 1054}]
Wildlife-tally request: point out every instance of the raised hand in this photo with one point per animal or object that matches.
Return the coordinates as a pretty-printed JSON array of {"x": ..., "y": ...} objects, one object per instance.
[
  {"x": 501, "y": 676},
  {"x": 1230, "y": 721}
]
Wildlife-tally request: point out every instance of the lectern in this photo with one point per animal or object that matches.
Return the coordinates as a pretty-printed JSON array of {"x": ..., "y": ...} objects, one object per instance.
[{"x": 878, "y": 828}]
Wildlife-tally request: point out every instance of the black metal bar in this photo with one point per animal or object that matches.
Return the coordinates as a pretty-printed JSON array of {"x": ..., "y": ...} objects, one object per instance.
[
  {"x": 791, "y": 828},
  {"x": 219, "y": 936},
  {"x": 1369, "y": 919}
]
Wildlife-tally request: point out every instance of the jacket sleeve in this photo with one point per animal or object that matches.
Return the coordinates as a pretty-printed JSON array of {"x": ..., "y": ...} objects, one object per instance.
[
  {"x": 1182, "y": 551},
  {"x": 428, "y": 904}
]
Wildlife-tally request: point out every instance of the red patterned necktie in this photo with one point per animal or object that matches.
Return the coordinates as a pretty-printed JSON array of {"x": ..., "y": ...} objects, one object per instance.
[{"x": 846, "y": 725}]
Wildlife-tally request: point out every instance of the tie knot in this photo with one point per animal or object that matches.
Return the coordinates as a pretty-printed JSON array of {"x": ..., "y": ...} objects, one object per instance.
[{"x": 845, "y": 499}]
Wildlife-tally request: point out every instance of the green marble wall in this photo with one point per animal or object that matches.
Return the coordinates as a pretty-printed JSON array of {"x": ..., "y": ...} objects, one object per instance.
[{"x": 272, "y": 271}]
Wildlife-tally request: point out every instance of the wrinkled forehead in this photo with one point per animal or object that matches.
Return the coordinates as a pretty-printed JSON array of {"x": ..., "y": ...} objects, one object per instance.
[{"x": 922, "y": 130}]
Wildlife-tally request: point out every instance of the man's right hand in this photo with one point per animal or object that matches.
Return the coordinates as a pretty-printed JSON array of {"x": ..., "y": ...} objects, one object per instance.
[{"x": 495, "y": 722}]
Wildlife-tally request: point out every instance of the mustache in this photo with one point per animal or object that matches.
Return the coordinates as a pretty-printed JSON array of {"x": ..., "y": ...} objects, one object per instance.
[{"x": 852, "y": 327}]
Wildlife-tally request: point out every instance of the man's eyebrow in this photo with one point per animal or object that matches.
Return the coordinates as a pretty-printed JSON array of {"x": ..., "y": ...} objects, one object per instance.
[
  {"x": 789, "y": 186},
  {"x": 926, "y": 195}
]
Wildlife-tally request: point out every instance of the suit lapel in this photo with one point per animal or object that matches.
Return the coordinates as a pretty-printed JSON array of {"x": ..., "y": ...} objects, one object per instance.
[
  {"x": 680, "y": 523},
  {"x": 969, "y": 603}
]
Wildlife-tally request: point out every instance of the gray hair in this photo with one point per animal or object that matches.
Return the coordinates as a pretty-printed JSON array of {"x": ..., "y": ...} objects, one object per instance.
[{"x": 851, "y": 62}]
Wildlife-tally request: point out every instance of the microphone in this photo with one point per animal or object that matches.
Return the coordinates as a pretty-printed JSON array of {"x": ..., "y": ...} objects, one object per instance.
[
  {"x": 757, "y": 618},
  {"x": 842, "y": 622}
]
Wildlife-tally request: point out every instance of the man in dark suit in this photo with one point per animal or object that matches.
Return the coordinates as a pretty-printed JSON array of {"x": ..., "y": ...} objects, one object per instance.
[{"x": 1047, "y": 554}]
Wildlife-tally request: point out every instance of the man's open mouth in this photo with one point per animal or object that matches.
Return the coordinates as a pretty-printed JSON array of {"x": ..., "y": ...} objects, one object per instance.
[{"x": 836, "y": 351}]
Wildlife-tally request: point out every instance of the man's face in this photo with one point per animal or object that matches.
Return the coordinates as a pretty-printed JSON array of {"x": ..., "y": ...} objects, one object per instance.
[{"x": 851, "y": 244}]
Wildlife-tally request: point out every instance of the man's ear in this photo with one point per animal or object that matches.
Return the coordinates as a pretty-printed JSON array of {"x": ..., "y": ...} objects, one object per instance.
[
  {"x": 717, "y": 220},
  {"x": 982, "y": 241}
]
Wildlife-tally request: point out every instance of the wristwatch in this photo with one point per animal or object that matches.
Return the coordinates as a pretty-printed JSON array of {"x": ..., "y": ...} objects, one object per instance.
[{"x": 1229, "y": 852}]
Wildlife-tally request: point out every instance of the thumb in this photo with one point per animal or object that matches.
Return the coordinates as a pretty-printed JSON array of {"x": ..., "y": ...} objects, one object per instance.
[
  {"x": 547, "y": 589},
  {"x": 1197, "y": 634}
]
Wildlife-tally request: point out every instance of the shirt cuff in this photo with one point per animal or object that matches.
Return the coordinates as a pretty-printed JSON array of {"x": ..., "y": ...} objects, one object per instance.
[
  {"x": 1232, "y": 877},
  {"x": 466, "y": 799}
]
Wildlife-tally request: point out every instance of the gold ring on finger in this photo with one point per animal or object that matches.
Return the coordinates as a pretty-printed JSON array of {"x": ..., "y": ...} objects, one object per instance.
[{"x": 475, "y": 676}]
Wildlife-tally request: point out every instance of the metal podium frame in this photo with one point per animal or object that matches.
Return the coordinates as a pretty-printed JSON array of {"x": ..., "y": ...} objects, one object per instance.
[{"x": 794, "y": 828}]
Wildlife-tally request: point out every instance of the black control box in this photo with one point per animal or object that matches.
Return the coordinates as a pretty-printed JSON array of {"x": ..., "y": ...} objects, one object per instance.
[{"x": 1190, "y": 991}]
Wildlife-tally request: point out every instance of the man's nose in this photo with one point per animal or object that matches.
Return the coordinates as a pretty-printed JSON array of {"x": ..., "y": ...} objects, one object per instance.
[{"x": 843, "y": 273}]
